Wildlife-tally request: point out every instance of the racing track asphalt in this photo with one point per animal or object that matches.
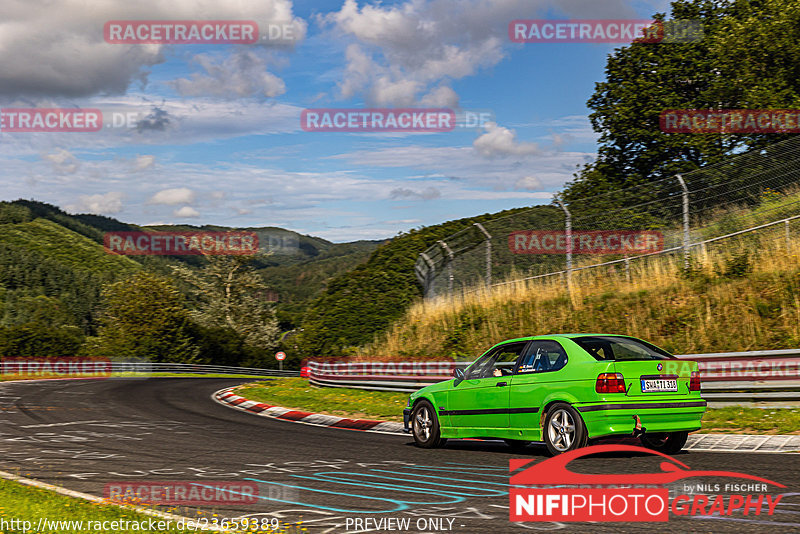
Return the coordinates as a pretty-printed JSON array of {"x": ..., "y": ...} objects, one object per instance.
[{"x": 82, "y": 434}]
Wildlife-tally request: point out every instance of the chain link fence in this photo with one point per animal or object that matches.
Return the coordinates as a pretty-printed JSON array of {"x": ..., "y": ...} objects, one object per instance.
[{"x": 756, "y": 191}]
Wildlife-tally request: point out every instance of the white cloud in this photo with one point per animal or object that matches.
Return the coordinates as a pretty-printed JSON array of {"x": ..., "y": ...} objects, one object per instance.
[
  {"x": 441, "y": 97},
  {"x": 187, "y": 212},
  {"x": 500, "y": 141},
  {"x": 171, "y": 197},
  {"x": 404, "y": 193},
  {"x": 63, "y": 161},
  {"x": 241, "y": 74},
  {"x": 530, "y": 183},
  {"x": 411, "y": 52},
  {"x": 467, "y": 166},
  {"x": 144, "y": 162},
  {"x": 103, "y": 204},
  {"x": 403, "y": 221},
  {"x": 56, "y": 48}
]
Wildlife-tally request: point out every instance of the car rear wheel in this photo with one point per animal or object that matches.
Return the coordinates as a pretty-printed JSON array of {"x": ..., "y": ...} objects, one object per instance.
[
  {"x": 563, "y": 429},
  {"x": 666, "y": 442},
  {"x": 425, "y": 426}
]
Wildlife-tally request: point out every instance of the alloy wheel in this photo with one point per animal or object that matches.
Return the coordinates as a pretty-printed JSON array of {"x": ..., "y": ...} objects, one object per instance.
[
  {"x": 423, "y": 423},
  {"x": 561, "y": 430}
]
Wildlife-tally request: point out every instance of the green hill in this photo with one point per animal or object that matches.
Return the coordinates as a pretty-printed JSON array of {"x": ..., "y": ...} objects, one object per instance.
[
  {"x": 65, "y": 246},
  {"x": 46, "y": 252}
]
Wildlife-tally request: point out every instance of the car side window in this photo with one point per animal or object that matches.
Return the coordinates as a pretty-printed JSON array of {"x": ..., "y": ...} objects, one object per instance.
[
  {"x": 542, "y": 357},
  {"x": 499, "y": 362}
]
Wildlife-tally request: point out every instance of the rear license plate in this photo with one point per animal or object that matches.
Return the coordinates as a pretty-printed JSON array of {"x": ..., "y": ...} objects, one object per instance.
[{"x": 659, "y": 384}]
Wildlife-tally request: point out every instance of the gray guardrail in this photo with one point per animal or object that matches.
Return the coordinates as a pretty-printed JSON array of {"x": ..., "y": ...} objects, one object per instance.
[
  {"x": 726, "y": 377},
  {"x": 190, "y": 368}
]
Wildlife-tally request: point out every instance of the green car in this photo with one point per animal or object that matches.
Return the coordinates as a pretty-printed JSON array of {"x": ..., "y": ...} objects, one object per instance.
[{"x": 564, "y": 390}]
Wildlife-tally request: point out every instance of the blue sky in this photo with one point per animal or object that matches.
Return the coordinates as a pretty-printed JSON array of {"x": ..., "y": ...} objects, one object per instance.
[{"x": 218, "y": 138}]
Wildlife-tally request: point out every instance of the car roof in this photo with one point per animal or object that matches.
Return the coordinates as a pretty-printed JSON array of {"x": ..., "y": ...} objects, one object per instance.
[{"x": 547, "y": 336}]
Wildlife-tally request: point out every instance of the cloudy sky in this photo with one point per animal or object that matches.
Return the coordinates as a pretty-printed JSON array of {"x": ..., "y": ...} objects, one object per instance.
[{"x": 212, "y": 132}]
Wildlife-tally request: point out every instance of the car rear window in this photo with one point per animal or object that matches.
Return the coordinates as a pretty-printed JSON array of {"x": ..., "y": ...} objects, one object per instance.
[{"x": 614, "y": 348}]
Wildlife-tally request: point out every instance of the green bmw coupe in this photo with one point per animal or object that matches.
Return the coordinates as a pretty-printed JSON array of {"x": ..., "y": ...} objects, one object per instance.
[{"x": 564, "y": 390}]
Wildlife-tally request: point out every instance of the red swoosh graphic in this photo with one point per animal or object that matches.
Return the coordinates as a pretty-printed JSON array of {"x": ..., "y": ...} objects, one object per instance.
[{"x": 554, "y": 470}]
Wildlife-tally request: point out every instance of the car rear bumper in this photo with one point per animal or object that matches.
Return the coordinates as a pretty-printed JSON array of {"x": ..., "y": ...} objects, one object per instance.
[
  {"x": 604, "y": 419},
  {"x": 406, "y": 420}
]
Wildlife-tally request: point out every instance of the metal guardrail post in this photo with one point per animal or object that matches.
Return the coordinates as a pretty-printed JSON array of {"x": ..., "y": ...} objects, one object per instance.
[
  {"x": 686, "y": 236},
  {"x": 488, "y": 254}
]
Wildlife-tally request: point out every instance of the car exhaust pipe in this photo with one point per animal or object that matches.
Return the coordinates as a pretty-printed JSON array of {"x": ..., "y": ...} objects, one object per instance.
[{"x": 638, "y": 429}]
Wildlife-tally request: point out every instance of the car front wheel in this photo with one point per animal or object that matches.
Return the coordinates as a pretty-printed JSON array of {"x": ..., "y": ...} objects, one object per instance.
[
  {"x": 425, "y": 426},
  {"x": 666, "y": 442},
  {"x": 563, "y": 429}
]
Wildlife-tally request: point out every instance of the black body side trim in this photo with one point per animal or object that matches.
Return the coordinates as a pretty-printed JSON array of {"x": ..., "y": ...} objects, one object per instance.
[
  {"x": 641, "y": 406},
  {"x": 488, "y": 411}
]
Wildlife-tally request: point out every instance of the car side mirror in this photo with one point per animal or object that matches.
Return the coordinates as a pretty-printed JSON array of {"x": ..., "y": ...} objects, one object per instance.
[{"x": 458, "y": 373}]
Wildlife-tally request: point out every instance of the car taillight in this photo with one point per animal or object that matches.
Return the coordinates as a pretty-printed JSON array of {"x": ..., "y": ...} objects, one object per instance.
[
  {"x": 610, "y": 383},
  {"x": 694, "y": 381}
]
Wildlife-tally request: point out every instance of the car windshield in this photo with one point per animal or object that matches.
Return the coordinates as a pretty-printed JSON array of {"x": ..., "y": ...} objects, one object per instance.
[{"x": 615, "y": 348}]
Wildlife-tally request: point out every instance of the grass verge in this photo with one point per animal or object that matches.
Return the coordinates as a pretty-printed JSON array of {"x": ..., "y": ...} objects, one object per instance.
[
  {"x": 25, "y": 508},
  {"x": 741, "y": 420},
  {"x": 20, "y": 503},
  {"x": 298, "y": 394}
]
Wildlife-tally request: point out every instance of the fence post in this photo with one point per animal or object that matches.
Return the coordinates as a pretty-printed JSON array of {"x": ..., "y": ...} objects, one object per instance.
[
  {"x": 686, "y": 236},
  {"x": 627, "y": 268},
  {"x": 449, "y": 264},
  {"x": 430, "y": 276},
  {"x": 788, "y": 245},
  {"x": 488, "y": 254},
  {"x": 568, "y": 228}
]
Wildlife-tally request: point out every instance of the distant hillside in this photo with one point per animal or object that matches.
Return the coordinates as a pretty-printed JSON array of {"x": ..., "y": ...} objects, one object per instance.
[
  {"x": 65, "y": 246},
  {"x": 298, "y": 266},
  {"x": 60, "y": 246}
]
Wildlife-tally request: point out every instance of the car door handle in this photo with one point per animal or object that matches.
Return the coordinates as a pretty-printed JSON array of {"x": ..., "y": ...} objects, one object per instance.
[{"x": 501, "y": 384}]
